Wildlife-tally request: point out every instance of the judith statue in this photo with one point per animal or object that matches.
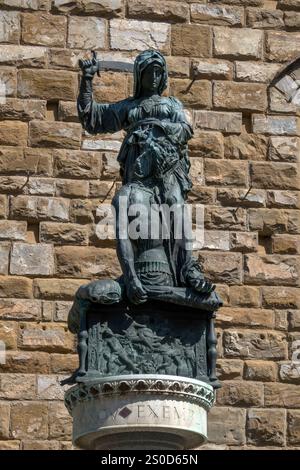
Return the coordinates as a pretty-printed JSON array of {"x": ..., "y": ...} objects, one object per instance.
[{"x": 154, "y": 167}]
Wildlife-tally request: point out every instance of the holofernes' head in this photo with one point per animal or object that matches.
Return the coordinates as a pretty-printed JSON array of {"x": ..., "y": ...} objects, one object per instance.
[{"x": 150, "y": 73}]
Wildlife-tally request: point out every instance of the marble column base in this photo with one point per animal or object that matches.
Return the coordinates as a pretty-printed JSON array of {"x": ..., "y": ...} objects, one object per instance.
[{"x": 131, "y": 412}]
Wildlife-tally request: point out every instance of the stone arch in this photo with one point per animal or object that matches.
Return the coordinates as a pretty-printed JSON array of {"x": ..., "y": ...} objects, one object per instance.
[{"x": 287, "y": 83}]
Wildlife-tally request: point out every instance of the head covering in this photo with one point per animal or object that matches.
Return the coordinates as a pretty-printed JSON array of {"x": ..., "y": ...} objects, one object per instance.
[{"x": 141, "y": 62}]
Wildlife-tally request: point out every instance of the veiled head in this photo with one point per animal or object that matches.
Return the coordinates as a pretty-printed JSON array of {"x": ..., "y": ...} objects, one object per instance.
[{"x": 142, "y": 61}]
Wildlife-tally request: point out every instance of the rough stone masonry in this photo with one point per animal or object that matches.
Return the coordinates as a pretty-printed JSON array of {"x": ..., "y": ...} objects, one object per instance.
[{"x": 222, "y": 57}]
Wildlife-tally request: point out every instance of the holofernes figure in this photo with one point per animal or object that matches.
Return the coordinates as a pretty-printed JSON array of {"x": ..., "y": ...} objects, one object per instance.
[{"x": 154, "y": 166}]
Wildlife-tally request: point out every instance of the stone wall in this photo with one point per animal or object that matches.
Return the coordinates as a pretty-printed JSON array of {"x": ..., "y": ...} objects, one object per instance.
[{"x": 53, "y": 177}]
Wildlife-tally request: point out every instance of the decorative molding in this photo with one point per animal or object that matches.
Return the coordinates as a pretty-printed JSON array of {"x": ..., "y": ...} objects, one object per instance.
[{"x": 191, "y": 390}]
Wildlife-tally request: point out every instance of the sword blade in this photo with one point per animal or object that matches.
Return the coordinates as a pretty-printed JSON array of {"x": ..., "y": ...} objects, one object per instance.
[{"x": 114, "y": 66}]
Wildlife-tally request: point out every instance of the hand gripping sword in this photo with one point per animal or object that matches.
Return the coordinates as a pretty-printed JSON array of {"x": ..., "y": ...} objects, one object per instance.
[{"x": 106, "y": 65}]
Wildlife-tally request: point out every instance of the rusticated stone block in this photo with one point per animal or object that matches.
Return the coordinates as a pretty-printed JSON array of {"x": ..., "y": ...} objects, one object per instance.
[
  {"x": 270, "y": 221},
  {"x": 63, "y": 234},
  {"x": 256, "y": 71},
  {"x": 49, "y": 388},
  {"x": 216, "y": 240},
  {"x": 264, "y": 371},
  {"x": 240, "y": 393},
  {"x": 192, "y": 93},
  {"x": 60, "y": 422},
  {"x": 206, "y": 144},
  {"x": 224, "y": 172},
  {"x": 44, "y": 29},
  {"x": 217, "y": 15},
  {"x": 26, "y": 4},
  {"x": 26, "y": 55},
  {"x": 284, "y": 199},
  {"x": 191, "y": 40},
  {"x": 196, "y": 171},
  {"x": 55, "y": 134},
  {"x": 280, "y": 297},
  {"x": 12, "y": 184},
  {"x": 245, "y": 317},
  {"x": 219, "y": 121},
  {"x": 282, "y": 395},
  {"x": 72, "y": 188},
  {"x": 13, "y": 133},
  {"x": 4, "y": 257},
  {"x": 245, "y": 296},
  {"x": 294, "y": 319},
  {"x": 93, "y": 7},
  {"x": 212, "y": 69},
  {"x": 266, "y": 427},
  {"x": 178, "y": 66},
  {"x": 243, "y": 241},
  {"x": 48, "y": 338},
  {"x": 279, "y": 104},
  {"x": 290, "y": 372},
  {"x": 86, "y": 33},
  {"x": 10, "y": 445},
  {"x": 289, "y": 4},
  {"x": 111, "y": 88},
  {"x": 15, "y": 309},
  {"x": 8, "y": 80},
  {"x": 286, "y": 244},
  {"x": 246, "y": 146},
  {"x": 240, "y": 43},
  {"x": 277, "y": 125},
  {"x": 227, "y": 425},
  {"x": 40, "y": 186},
  {"x": 282, "y": 46},
  {"x": 250, "y": 3},
  {"x": 40, "y": 445},
  {"x": 284, "y": 149},
  {"x": 47, "y": 84},
  {"x": 81, "y": 211},
  {"x": 9, "y": 27},
  {"x": 17, "y": 386},
  {"x": 292, "y": 20},
  {"x": 67, "y": 111},
  {"x": 156, "y": 10},
  {"x": 29, "y": 420},
  {"x": 225, "y": 218},
  {"x": 238, "y": 197},
  {"x": 254, "y": 344},
  {"x": 229, "y": 369},
  {"x": 8, "y": 334},
  {"x": 32, "y": 259},
  {"x": 23, "y": 362},
  {"x": 82, "y": 261},
  {"x": 4, "y": 423},
  {"x": 13, "y": 286},
  {"x": 57, "y": 289},
  {"x": 222, "y": 268},
  {"x": 63, "y": 363},
  {"x": 271, "y": 270},
  {"x": 34, "y": 208},
  {"x": 129, "y": 35},
  {"x": 239, "y": 96},
  {"x": 12, "y": 230},
  {"x": 275, "y": 175},
  {"x": 293, "y": 427},
  {"x": 264, "y": 19},
  {"x": 3, "y": 205},
  {"x": 22, "y": 110},
  {"x": 62, "y": 310},
  {"x": 77, "y": 164}
]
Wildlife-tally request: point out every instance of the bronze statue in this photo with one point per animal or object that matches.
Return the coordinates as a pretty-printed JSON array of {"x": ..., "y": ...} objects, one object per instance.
[{"x": 154, "y": 166}]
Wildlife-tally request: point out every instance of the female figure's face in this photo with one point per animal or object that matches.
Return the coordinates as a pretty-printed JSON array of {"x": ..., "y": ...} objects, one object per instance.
[{"x": 151, "y": 78}]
